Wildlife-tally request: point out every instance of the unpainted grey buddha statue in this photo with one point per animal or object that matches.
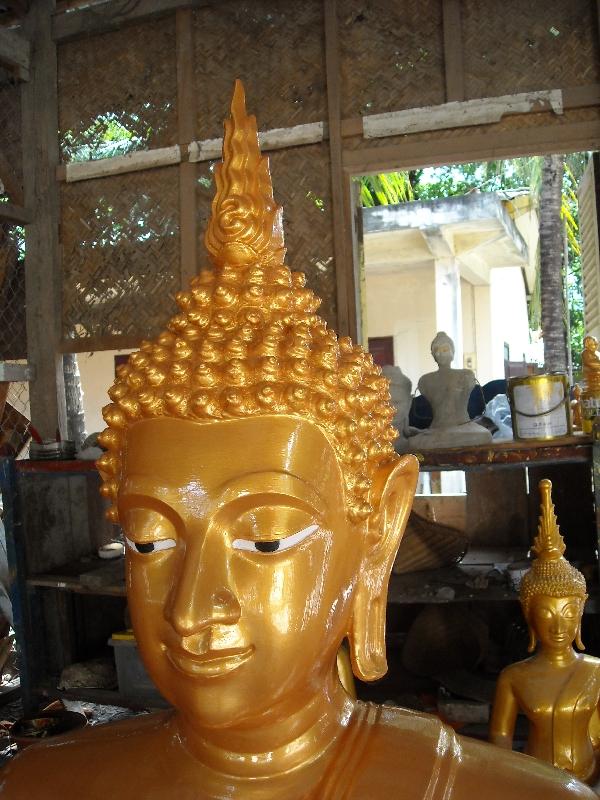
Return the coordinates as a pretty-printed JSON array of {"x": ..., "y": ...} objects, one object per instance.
[{"x": 448, "y": 391}]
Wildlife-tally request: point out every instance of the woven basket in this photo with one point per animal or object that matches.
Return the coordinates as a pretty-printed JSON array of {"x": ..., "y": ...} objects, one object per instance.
[{"x": 429, "y": 545}]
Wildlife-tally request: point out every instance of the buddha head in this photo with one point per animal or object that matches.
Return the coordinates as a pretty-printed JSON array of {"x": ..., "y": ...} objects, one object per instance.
[
  {"x": 250, "y": 463},
  {"x": 590, "y": 343},
  {"x": 442, "y": 349},
  {"x": 553, "y": 592}
]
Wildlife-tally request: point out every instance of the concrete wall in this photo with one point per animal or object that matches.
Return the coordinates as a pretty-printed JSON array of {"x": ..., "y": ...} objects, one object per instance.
[
  {"x": 402, "y": 305},
  {"x": 97, "y": 372},
  {"x": 509, "y": 322}
]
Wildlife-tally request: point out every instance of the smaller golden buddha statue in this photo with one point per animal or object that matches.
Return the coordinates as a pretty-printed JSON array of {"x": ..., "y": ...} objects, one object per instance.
[
  {"x": 590, "y": 362},
  {"x": 590, "y": 397},
  {"x": 557, "y": 688}
]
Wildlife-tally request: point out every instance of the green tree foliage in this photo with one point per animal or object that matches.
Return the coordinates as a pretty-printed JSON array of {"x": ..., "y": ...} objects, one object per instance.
[{"x": 385, "y": 189}]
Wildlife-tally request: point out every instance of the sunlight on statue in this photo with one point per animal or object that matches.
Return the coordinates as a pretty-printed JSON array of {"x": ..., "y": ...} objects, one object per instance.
[{"x": 250, "y": 462}]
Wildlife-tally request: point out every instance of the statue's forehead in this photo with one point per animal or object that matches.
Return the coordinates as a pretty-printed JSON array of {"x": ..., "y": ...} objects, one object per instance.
[{"x": 181, "y": 451}]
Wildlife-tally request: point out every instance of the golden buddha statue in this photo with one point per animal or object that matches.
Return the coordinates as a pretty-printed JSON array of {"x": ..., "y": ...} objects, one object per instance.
[
  {"x": 250, "y": 463},
  {"x": 557, "y": 689},
  {"x": 590, "y": 396},
  {"x": 590, "y": 362}
]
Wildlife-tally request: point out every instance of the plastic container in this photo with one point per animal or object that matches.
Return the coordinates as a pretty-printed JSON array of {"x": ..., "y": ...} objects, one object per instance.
[{"x": 134, "y": 682}]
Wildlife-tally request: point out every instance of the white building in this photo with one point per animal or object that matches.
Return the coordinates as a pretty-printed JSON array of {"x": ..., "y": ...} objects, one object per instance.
[{"x": 462, "y": 264}]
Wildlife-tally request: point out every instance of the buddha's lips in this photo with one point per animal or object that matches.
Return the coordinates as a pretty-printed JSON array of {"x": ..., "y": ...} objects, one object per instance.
[{"x": 210, "y": 664}]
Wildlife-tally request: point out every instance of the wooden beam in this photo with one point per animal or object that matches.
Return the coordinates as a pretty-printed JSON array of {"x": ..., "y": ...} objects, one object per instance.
[
  {"x": 16, "y": 372},
  {"x": 572, "y": 97},
  {"x": 109, "y": 16},
  {"x": 186, "y": 117},
  {"x": 119, "y": 165},
  {"x": 274, "y": 139},
  {"x": 479, "y": 145},
  {"x": 460, "y": 114},
  {"x": 343, "y": 266},
  {"x": 15, "y": 52},
  {"x": 42, "y": 275},
  {"x": 453, "y": 50},
  {"x": 93, "y": 344},
  {"x": 16, "y": 214}
]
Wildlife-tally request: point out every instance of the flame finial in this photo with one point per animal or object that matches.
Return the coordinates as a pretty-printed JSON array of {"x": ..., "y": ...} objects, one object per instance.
[
  {"x": 550, "y": 574},
  {"x": 246, "y": 224},
  {"x": 548, "y": 545}
]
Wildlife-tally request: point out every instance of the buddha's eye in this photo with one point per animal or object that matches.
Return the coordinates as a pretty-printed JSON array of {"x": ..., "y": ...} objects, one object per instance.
[
  {"x": 151, "y": 547},
  {"x": 276, "y": 545},
  {"x": 148, "y": 530}
]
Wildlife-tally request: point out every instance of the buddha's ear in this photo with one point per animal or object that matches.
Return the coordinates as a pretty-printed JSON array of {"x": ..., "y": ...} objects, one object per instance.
[
  {"x": 578, "y": 641},
  {"x": 532, "y": 644},
  {"x": 392, "y": 495}
]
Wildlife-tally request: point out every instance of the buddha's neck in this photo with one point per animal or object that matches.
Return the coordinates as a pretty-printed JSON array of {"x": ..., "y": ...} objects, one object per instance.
[
  {"x": 558, "y": 658},
  {"x": 273, "y": 746}
]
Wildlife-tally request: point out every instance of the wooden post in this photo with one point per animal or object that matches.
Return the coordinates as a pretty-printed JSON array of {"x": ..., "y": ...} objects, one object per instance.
[
  {"x": 186, "y": 116},
  {"x": 453, "y": 51},
  {"x": 42, "y": 266},
  {"x": 343, "y": 269}
]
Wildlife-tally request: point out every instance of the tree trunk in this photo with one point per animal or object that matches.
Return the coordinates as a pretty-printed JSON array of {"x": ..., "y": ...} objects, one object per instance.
[
  {"x": 74, "y": 397},
  {"x": 551, "y": 279}
]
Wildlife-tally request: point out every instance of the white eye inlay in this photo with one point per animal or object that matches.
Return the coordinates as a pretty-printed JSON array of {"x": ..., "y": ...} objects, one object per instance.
[
  {"x": 151, "y": 547},
  {"x": 275, "y": 546}
]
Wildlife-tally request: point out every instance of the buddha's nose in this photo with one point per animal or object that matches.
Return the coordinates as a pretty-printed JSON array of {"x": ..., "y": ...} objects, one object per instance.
[
  {"x": 203, "y": 594},
  {"x": 557, "y": 625}
]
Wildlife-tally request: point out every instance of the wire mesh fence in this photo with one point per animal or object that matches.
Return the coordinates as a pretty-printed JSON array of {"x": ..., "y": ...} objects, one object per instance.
[
  {"x": 14, "y": 397},
  {"x": 15, "y": 426}
]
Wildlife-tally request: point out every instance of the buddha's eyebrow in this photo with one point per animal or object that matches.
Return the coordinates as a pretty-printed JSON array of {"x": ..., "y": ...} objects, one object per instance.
[
  {"x": 282, "y": 485},
  {"x": 148, "y": 486},
  {"x": 250, "y": 500}
]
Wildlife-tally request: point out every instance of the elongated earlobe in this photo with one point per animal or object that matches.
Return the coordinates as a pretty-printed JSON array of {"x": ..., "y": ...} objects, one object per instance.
[
  {"x": 532, "y": 640},
  {"x": 392, "y": 495},
  {"x": 367, "y": 641},
  {"x": 578, "y": 641}
]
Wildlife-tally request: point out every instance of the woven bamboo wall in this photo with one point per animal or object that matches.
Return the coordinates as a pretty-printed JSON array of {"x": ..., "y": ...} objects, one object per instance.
[
  {"x": 276, "y": 48},
  {"x": 302, "y": 185},
  {"x": 126, "y": 77},
  {"x": 514, "y": 46},
  {"x": 11, "y": 157},
  {"x": 120, "y": 242},
  {"x": 13, "y": 333},
  {"x": 13, "y": 337},
  {"x": 391, "y": 56}
]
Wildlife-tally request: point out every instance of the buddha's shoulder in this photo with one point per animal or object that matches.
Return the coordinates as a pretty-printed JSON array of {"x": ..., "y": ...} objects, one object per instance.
[
  {"x": 513, "y": 671},
  {"x": 59, "y": 763},
  {"x": 436, "y": 763},
  {"x": 592, "y": 662}
]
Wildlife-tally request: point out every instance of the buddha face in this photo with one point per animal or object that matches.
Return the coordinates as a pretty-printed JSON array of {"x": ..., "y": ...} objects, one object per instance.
[
  {"x": 442, "y": 351},
  {"x": 241, "y": 562},
  {"x": 555, "y": 620}
]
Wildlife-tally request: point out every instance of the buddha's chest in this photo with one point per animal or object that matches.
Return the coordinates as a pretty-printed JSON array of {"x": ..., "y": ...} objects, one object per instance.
[{"x": 546, "y": 702}]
